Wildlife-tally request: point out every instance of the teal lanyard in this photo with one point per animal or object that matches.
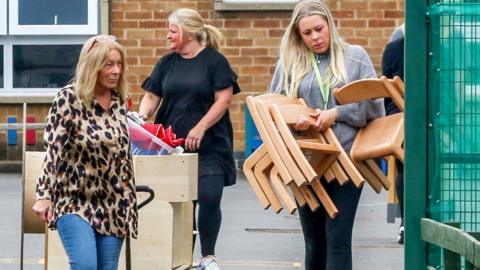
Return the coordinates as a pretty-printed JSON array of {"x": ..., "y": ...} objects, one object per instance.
[{"x": 324, "y": 88}]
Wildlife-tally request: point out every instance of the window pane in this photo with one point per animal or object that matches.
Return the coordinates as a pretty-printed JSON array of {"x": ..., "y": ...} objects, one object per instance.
[
  {"x": 1, "y": 66},
  {"x": 52, "y": 12},
  {"x": 44, "y": 66}
]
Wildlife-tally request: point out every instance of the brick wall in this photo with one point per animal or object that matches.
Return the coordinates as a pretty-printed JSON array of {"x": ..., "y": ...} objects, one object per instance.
[{"x": 251, "y": 38}]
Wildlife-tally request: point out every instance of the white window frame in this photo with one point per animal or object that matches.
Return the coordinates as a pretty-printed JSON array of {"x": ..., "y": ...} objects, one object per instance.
[
  {"x": 3, "y": 63},
  {"x": 9, "y": 42},
  {"x": 3, "y": 17},
  {"x": 91, "y": 28},
  {"x": 254, "y": 5}
]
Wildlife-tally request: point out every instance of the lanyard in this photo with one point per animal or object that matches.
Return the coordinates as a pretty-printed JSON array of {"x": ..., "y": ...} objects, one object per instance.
[{"x": 324, "y": 88}]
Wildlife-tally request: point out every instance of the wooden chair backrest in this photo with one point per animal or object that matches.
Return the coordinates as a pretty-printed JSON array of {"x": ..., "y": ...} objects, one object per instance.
[
  {"x": 364, "y": 89},
  {"x": 395, "y": 91},
  {"x": 291, "y": 112},
  {"x": 400, "y": 85}
]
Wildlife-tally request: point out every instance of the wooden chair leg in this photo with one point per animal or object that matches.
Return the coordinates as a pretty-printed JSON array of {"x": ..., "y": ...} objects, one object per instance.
[
  {"x": 329, "y": 176},
  {"x": 282, "y": 191},
  {"x": 372, "y": 165},
  {"x": 318, "y": 166},
  {"x": 297, "y": 194},
  {"x": 324, "y": 198},
  {"x": 248, "y": 170},
  {"x": 344, "y": 159},
  {"x": 309, "y": 197},
  {"x": 371, "y": 178},
  {"x": 339, "y": 173},
  {"x": 392, "y": 178},
  {"x": 262, "y": 173},
  {"x": 336, "y": 169},
  {"x": 399, "y": 153}
]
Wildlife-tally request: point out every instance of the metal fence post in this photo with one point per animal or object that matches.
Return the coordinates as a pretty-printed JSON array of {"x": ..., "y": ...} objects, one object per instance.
[{"x": 415, "y": 132}]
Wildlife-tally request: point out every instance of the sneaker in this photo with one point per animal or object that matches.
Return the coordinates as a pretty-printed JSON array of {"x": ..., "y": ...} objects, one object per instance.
[
  {"x": 401, "y": 232},
  {"x": 208, "y": 263}
]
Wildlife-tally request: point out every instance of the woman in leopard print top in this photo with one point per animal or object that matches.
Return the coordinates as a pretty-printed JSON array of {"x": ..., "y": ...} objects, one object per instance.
[{"x": 86, "y": 188}]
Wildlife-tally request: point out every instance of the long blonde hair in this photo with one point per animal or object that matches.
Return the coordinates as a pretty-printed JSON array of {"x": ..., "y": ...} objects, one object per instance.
[
  {"x": 92, "y": 58},
  {"x": 295, "y": 55},
  {"x": 190, "y": 21}
]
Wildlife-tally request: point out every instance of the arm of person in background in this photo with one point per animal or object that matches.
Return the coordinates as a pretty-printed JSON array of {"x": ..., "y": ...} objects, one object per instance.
[
  {"x": 222, "y": 102},
  {"x": 148, "y": 105},
  {"x": 57, "y": 133}
]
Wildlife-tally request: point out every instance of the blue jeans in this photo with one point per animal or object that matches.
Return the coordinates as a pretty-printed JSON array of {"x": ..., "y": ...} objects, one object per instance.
[
  {"x": 328, "y": 242},
  {"x": 87, "y": 249}
]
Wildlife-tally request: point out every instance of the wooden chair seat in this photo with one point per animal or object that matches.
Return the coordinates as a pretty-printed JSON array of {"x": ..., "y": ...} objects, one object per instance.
[
  {"x": 283, "y": 192},
  {"x": 380, "y": 138}
]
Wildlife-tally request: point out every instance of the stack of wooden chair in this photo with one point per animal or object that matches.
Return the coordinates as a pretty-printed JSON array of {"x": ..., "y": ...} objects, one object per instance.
[
  {"x": 288, "y": 166},
  {"x": 381, "y": 137}
]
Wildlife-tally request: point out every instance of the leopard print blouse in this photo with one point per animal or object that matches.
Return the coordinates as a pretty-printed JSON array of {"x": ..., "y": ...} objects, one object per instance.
[{"x": 88, "y": 165}]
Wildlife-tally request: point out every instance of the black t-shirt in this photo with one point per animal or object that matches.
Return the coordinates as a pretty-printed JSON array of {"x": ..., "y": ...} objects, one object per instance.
[
  {"x": 187, "y": 88},
  {"x": 392, "y": 65}
]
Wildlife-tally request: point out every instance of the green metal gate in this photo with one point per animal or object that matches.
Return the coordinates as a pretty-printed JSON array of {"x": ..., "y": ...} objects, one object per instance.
[{"x": 443, "y": 121}]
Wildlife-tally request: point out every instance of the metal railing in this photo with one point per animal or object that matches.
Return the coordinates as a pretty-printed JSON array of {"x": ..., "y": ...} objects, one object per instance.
[{"x": 455, "y": 243}]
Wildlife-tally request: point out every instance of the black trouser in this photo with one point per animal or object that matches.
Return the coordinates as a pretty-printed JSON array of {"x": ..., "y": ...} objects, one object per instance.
[
  {"x": 399, "y": 187},
  {"x": 328, "y": 242},
  {"x": 210, "y": 191}
]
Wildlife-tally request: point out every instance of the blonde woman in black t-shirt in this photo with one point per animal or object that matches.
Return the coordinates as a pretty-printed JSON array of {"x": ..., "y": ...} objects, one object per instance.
[{"x": 195, "y": 85}]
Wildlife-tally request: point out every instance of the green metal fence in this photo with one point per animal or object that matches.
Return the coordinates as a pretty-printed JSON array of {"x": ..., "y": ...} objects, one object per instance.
[
  {"x": 452, "y": 104},
  {"x": 454, "y": 70}
]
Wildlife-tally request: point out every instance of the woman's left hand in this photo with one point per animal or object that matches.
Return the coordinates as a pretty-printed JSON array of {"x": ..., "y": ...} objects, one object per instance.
[
  {"x": 325, "y": 119},
  {"x": 194, "y": 138}
]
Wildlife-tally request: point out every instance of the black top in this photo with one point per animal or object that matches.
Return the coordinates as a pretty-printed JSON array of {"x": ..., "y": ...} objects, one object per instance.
[
  {"x": 187, "y": 88},
  {"x": 392, "y": 65}
]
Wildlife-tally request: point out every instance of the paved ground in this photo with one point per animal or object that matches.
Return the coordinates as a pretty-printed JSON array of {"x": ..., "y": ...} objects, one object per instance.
[{"x": 250, "y": 238}]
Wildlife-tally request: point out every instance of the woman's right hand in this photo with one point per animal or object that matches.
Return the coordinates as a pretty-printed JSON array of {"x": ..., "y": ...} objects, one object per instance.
[
  {"x": 303, "y": 123},
  {"x": 43, "y": 208}
]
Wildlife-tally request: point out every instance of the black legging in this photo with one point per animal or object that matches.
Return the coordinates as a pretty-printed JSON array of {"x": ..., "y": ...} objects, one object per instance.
[
  {"x": 328, "y": 242},
  {"x": 210, "y": 191}
]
